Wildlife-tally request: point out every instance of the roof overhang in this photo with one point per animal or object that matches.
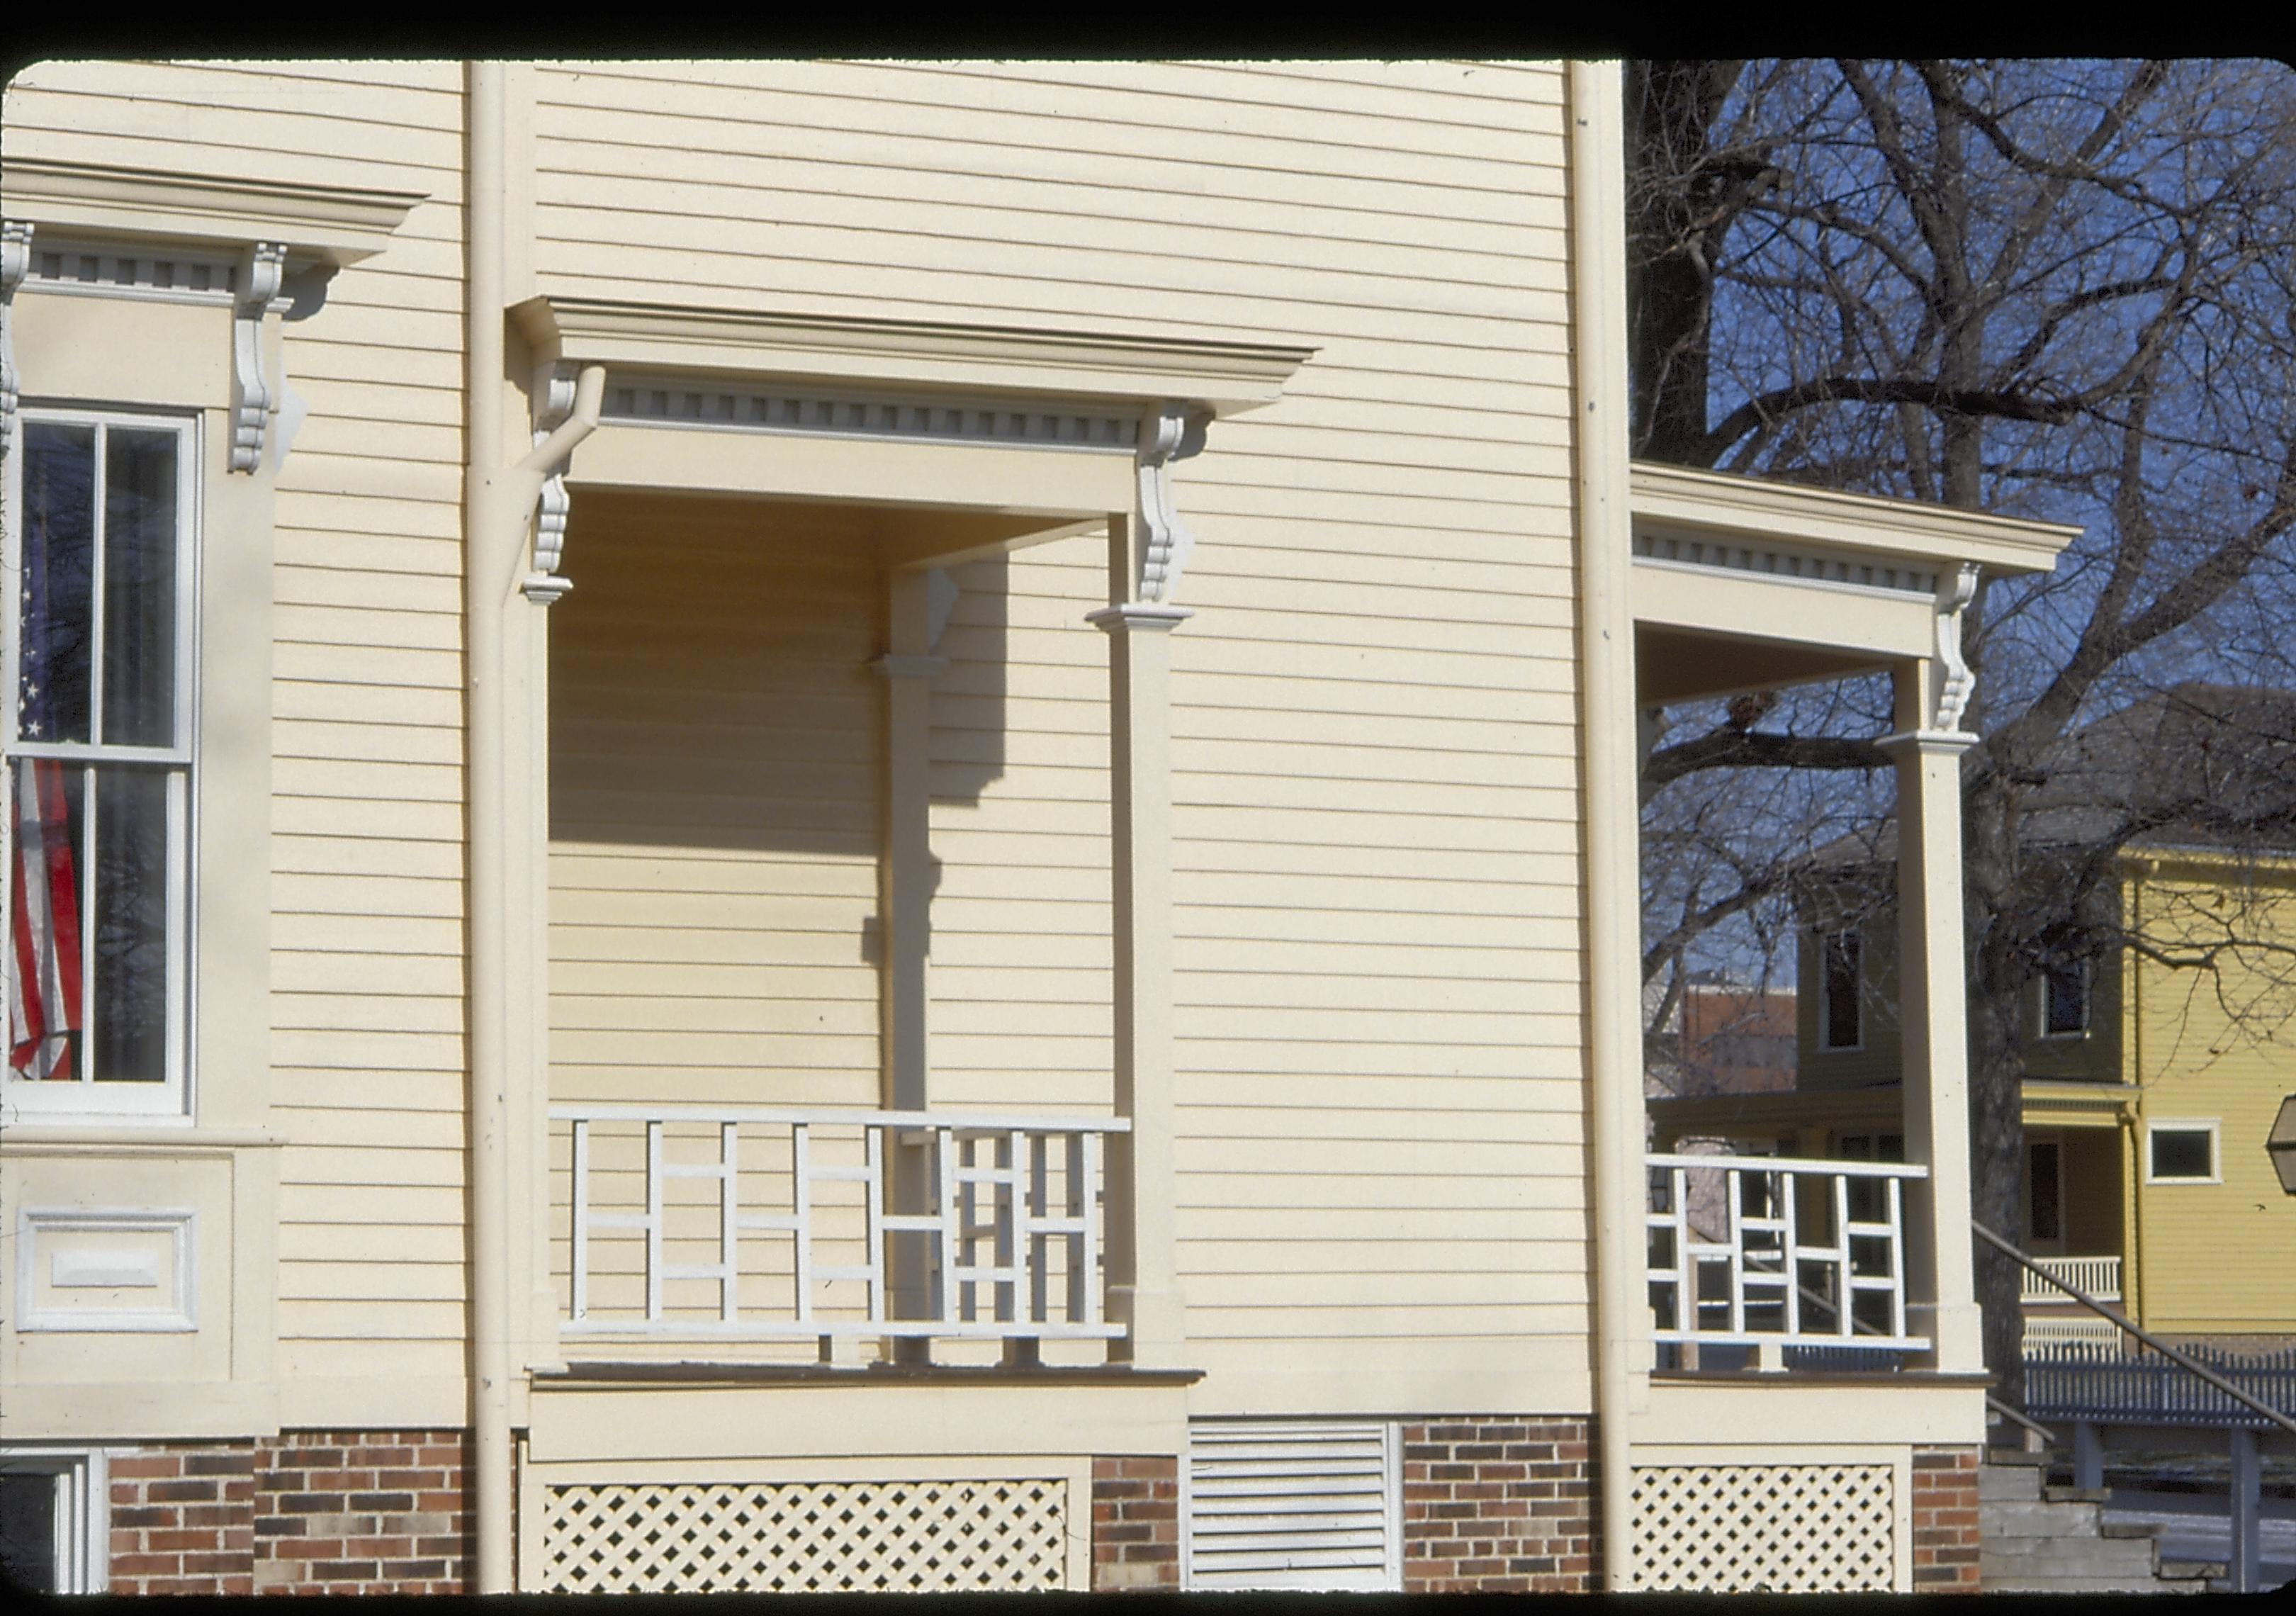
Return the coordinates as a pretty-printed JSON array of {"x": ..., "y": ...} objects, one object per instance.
[{"x": 97, "y": 202}]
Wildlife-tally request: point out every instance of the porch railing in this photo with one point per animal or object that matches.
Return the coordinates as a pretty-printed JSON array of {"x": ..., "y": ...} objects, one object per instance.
[
  {"x": 1751, "y": 1251},
  {"x": 769, "y": 1223},
  {"x": 2099, "y": 1277}
]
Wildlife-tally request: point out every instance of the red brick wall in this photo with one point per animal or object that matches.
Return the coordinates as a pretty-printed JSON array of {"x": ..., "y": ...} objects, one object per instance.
[
  {"x": 1944, "y": 1520},
  {"x": 183, "y": 1519},
  {"x": 309, "y": 1512},
  {"x": 1494, "y": 1504},
  {"x": 1136, "y": 1524}
]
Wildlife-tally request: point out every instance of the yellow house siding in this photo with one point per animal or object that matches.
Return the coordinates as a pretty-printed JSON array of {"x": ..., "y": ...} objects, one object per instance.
[
  {"x": 1374, "y": 719},
  {"x": 2192, "y": 1063},
  {"x": 367, "y": 1080}
]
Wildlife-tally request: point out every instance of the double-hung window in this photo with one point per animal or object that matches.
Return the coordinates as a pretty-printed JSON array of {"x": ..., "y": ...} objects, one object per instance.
[{"x": 98, "y": 763}]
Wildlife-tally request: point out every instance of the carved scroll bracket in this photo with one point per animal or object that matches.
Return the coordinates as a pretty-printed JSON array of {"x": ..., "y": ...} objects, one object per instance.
[
  {"x": 15, "y": 263},
  {"x": 255, "y": 395},
  {"x": 552, "y": 400},
  {"x": 1170, "y": 432},
  {"x": 1954, "y": 593}
]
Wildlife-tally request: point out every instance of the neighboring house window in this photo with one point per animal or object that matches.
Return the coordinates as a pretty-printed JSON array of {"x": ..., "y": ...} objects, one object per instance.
[
  {"x": 2064, "y": 1000},
  {"x": 98, "y": 763},
  {"x": 2181, "y": 1152},
  {"x": 1838, "y": 999},
  {"x": 53, "y": 1523}
]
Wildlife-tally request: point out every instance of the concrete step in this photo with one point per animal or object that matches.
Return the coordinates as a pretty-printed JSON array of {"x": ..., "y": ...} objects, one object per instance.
[
  {"x": 2008, "y": 1482},
  {"x": 2203, "y": 1570},
  {"x": 2091, "y": 1585},
  {"x": 2067, "y": 1556},
  {"x": 2076, "y": 1494},
  {"x": 2035, "y": 1517}
]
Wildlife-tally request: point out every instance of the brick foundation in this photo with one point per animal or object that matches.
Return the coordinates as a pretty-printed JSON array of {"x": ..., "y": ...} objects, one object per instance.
[
  {"x": 1946, "y": 1530},
  {"x": 305, "y": 1511},
  {"x": 1499, "y": 1505},
  {"x": 1136, "y": 1524}
]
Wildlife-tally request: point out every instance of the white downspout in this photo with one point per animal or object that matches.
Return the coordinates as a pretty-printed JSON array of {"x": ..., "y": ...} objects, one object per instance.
[
  {"x": 498, "y": 503},
  {"x": 1613, "y": 880}
]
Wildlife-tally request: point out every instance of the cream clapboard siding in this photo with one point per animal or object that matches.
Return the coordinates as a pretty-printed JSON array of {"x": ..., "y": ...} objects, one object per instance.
[
  {"x": 367, "y": 1045},
  {"x": 1376, "y": 857}
]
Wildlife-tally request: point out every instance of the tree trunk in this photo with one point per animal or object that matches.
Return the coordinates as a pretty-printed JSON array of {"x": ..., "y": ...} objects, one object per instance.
[{"x": 1996, "y": 1078}]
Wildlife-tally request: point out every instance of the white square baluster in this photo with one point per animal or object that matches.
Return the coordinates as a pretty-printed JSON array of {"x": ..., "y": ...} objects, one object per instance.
[
  {"x": 1685, "y": 1270},
  {"x": 1846, "y": 1325},
  {"x": 1084, "y": 1256},
  {"x": 1039, "y": 1193},
  {"x": 729, "y": 1238},
  {"x": 1734, "y": 1186},
  {"x": 1011, "y": 1218},
  {"x": 801, "y": 1206},
  {"x": 1790, "y": 1188},
  {"x": 873, "y": 1148},
  {"x": 947, "y": 1298},
  {"x": 1897, "y": 1258},
  {"x": 653, "y": 1223},
  {"x": 581, "y": 1190}
]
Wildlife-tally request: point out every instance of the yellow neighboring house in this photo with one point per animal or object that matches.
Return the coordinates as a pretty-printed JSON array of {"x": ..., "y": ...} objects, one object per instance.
[
  {"x": 871, "y": 824},
  {"x": 2152, "y": 1078}
]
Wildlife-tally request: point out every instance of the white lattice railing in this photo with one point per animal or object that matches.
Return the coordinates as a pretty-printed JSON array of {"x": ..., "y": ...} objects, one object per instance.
[
  {"x": 2097, "y": 1277},
  {"x": 1749, "y": 1249},
  {"x": 773, "y": 1223}
]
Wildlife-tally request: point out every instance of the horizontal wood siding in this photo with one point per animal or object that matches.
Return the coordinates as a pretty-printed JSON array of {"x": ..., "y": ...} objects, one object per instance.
[
  {"x": 1375, "y": 726},
  {"x": 367, "y": 1050}
]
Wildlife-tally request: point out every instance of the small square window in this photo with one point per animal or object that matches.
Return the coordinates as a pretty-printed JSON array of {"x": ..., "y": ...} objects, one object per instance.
[
  {"x": 2182, "y": 1153},
  {"x": 2064, "y": 1001}
]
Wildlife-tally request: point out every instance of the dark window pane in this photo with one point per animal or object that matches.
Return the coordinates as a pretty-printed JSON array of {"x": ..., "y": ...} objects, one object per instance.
[
  {"x": 139, "y": 588},
  {"x": 130, "y": 1008},
  {"x": 2180, "y": 1152},
  {"x": 2045, "y": 1196},
  {"x": 2068, "y": 1000},
  {"x": 43, "y": 929},
  {"x": 1842, "y": 991},
  {"x": 28, "y": 1532},
  {"x": 57, "y": 630}
]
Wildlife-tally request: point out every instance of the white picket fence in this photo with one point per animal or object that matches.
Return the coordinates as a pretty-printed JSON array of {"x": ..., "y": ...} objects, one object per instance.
[
  {"x": 776, "y": 1223},
  {"x": 1753, "y": 1249}
]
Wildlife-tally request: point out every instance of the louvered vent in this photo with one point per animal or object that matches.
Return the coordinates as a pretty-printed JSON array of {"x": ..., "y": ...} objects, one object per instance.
[{"x": 1293, "y": 1503}]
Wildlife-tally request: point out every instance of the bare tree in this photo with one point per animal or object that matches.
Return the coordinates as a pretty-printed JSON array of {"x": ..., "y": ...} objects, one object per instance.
[{"x": 2055, "y": 288}]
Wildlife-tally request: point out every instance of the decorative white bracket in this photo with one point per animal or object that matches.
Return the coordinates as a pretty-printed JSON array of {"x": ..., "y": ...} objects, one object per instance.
[
  {"x": 552, "y": 402},
  {"x": 15, "y": 263},
  {"x": 255, "y": 400},
  {"x": 1954, "y": 596},
  {"x": 1172, "y": 430}
]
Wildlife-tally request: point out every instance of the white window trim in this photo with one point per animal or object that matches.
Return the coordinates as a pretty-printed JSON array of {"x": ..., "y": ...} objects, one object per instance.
[
  {"x": 2209, "y": 1126},
  {"x": 171, "y": 1100},
  {"x": 83, "y": 1511},
  {"x": 2088, "y": 1003},
  {"x": 1857, "y": 991}
]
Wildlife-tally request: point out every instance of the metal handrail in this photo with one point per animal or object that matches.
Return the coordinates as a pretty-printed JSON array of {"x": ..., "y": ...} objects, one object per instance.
[
  {"x": 2007, "y": 1413},
  {"x": 2181, "y": 1360}
]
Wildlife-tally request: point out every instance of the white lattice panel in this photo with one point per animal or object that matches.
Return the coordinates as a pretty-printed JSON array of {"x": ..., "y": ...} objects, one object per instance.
[
  {"x": 1782, "y": 1528},
  {"x": 793, "y": 1537}
]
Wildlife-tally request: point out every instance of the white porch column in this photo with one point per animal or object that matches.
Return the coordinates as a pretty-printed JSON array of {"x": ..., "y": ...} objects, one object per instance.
[
  {"x": 1934, "y": 1006},
  {"x": 905, "y": 882},
  {"x": 1142, "y": 1289}
]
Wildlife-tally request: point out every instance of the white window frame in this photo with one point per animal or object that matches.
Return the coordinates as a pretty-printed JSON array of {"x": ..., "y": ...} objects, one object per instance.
[
  {"x": 1857, "y": 991},
  {"x": 25, "y": 1099},
  {"x": 2209, "y": 1126},
  {"x": 2088, "y": 1004},
  {"x": 83, "y": 1511}
]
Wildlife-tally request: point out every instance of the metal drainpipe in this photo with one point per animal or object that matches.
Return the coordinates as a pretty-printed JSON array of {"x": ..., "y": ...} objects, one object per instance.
[
  {"x": 1613, "y": 884},
  {"x": 498, "y": 501}
]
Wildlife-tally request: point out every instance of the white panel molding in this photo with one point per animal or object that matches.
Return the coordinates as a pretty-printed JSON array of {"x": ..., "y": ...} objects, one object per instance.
[
  {"x": 1827, "y": 569},
  {"x": 334, "y": 225},
  {"x": 177, "y": 1314},
  {"x": 141, "y": 270}
]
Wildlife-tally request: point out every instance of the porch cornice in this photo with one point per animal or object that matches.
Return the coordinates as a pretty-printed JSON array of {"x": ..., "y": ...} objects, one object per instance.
[
  {"x": 1221, "y": 377},
  {"x": 1680, "y": 499},
  {"x": 337, "y": 224}
]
